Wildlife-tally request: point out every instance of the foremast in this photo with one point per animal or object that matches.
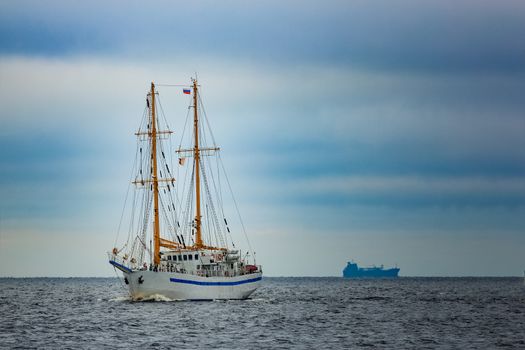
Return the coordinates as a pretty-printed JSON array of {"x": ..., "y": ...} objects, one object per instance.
[
  {"x": 153, "y": 136},
  {"x": 156, "y": 223}
]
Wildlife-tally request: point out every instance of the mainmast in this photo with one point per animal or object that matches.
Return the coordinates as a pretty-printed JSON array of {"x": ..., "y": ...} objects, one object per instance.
[
  {"x": 196, "y": 156},
  {"x": 156, "y": 224},
  {"x": 196, "y": 152}
]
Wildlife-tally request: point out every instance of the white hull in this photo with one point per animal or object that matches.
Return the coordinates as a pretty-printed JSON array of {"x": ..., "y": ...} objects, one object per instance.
[{"x": 180, "y": 286}]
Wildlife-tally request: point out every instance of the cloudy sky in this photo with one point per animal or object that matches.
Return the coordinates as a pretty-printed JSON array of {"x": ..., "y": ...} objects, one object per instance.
[{"x": 387, "y": 132}]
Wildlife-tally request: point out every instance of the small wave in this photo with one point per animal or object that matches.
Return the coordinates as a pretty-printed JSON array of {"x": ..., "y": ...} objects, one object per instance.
[
  {"x": 257, "y": 300},
  {"x": 121, "y": 298}
]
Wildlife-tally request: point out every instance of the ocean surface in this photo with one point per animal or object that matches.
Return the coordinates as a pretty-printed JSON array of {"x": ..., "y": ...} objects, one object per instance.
[{"x": 311, "y": 313}]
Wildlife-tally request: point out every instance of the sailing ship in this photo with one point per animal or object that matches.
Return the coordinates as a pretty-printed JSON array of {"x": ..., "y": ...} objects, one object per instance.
[{"x": 179, "y": 242}]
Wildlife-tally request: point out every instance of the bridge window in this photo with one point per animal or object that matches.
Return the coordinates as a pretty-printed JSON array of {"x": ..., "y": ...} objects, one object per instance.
[
  {"x": 185, "y": 257},
  {"x": 190, "y": 257},
  {"x": 196, "y": 256},
  {"x": 169, "y": 257},
  {"x": 180, "y": 258}
]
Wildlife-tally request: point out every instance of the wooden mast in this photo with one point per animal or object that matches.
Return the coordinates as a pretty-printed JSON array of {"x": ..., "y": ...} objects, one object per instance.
[
  {"x": 196, "y": 156},
  {"x": 156, "y": 224}
]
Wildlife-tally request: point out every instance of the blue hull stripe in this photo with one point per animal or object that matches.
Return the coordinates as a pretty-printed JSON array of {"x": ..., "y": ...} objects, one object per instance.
[
  {"x": 199, "y": 283},
  {"x": 120, "y": 267}
]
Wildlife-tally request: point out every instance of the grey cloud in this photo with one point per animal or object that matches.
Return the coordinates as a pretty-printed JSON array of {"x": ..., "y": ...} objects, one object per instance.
[{"x": 436, "y": 36}]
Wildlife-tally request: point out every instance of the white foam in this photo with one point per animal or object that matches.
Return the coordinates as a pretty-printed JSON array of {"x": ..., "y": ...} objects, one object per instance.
[{"x": 156, "y": 297}]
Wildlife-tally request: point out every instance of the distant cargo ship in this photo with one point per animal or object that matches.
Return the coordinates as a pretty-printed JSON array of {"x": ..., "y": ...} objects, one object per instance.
[{"x": 353, "y": 271}]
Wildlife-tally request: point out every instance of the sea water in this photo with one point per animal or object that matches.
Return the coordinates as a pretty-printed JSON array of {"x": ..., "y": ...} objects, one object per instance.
[{"x": 413, "y": 313}]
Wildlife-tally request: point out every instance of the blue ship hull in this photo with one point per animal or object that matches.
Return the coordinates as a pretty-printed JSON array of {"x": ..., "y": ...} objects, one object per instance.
[{"x": 353, "y": 271}]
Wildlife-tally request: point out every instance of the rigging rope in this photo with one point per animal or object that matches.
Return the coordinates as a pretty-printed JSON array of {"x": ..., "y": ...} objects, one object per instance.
[{"x": 236, "y": 207}]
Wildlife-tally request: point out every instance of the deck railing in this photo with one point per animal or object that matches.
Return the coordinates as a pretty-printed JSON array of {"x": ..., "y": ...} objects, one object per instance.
[{"x": 175, "y": 268}]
